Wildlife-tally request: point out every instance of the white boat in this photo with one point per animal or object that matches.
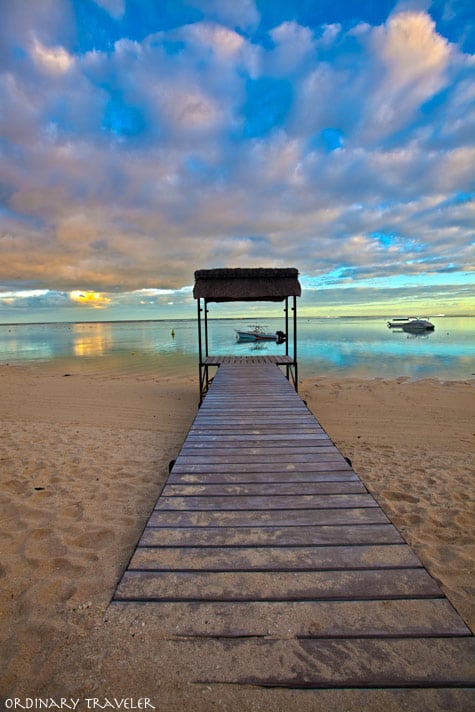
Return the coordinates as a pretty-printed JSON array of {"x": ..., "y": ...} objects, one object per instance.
[
  {"x": 417, "y": 326},
  {"x": 412, "y": 324},
  {"x": 256, "y": 332}
]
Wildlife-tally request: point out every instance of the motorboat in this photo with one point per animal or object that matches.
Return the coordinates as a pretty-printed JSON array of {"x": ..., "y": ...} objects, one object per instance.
[
  {"x": 418, "y": 326},
  {"x": 411, "y": 324},
  {"x": 398, "y": 321},
  {"x": 256, "y": 332}
]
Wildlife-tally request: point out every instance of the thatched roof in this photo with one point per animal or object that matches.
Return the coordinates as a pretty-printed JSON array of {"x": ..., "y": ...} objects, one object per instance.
[{"x": 246, "y": 285}]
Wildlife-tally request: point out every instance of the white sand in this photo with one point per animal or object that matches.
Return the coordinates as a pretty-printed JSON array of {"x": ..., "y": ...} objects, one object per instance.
[{"x": 82, "y": 461}]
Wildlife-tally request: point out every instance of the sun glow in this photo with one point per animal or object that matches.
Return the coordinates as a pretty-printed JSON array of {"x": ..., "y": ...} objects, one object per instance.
[{"x": 97, "y": 300}]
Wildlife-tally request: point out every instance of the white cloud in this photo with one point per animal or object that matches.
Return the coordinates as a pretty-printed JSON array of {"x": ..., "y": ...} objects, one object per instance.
[
  {"x": 413, "y": 61},
  {"x": 329, "y": 34},
  {"x": 189, "y": 108},
  {"x": 412, "y": 50},
  {"x": 55, "y": 60},
  {"x": 294, "y": 45},
  {"x": 225, "y": 42}
]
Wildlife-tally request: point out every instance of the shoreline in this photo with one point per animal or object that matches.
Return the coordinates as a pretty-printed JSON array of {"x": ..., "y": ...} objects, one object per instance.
[{"x": 82, "y": 462}]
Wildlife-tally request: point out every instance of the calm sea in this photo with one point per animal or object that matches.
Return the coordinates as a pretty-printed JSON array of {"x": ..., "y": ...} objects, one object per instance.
[{"x": 344, "y": 347}]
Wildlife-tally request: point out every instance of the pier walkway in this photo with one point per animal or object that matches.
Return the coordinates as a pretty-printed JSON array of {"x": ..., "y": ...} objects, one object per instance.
[{"x": 266, "y": 548}]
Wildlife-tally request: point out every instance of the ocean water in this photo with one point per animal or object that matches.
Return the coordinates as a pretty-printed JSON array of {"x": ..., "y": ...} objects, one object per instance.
[{"x": 344, "y": 347}]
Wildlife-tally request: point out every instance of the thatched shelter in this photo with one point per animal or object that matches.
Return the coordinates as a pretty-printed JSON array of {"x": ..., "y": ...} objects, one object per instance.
[
  {"x": 246, "y": 285},
  {"x": 243, "y": 284}
]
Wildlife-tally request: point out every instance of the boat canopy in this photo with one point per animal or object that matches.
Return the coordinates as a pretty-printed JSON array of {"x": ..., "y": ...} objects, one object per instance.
[{"x": 240, "y": 284}]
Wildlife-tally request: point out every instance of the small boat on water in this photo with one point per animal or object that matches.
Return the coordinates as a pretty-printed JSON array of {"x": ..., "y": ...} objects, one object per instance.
[
  {"x": 256, "y": 332},
  {"x": 411, "y": 324}
]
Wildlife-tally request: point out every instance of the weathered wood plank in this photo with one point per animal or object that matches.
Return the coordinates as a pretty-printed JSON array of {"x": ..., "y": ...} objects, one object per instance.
[
  {"x": 305, "y": 438},
  {"x": 225, "y": 458},
  {"x": 222, "y": 428},
  {"x": 255, "y": 451},
  {"x": 279, "y": 397},
  {"x": 326, "y": 463},
  {"x": 272, "y": 536},
  {"x": 268, "y": 414},
  {"x": 259, "y": 420},
  {"x": 266, "y": 489},
  {"x": 368, "y": 663},
  {"x": 259, "y": 402},
  {"x": 289, "y": 476},
  {"x": 266, "y": 502},
  {"x": 276, "y": 517},
  {"x": 273, "y": 559},
  {"x": 258, "y": 454},
  {"x": 325, "y": 619},
  {"x": 277, "y": 586},
  {"x": 246, "y": 360},
  {"x": 265, "y": 438}
]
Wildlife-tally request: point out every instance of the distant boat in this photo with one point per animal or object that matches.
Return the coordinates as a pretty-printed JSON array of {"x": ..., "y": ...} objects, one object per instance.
[
  {"x": 256, "y": 332},
  {"x": 411, "y": 324}
]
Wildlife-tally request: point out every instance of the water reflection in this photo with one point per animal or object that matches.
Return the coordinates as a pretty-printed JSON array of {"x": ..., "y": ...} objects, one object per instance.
[
  {"x": 14, "y": 346},
  {"x": 334, "y": 347},
  {"x": 91, "y": 340},
  {"x": 416, "y": 334}
]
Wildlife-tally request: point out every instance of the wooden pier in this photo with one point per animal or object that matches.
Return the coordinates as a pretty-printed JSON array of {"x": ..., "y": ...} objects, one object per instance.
[{"x": 266, "y": 547}]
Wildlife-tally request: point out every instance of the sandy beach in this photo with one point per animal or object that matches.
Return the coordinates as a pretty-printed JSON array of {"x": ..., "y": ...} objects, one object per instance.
[{"x": 83, "y": 458}]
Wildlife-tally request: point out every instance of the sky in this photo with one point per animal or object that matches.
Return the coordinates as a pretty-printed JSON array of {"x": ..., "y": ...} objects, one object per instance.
[{"x": 141, "y": 140}]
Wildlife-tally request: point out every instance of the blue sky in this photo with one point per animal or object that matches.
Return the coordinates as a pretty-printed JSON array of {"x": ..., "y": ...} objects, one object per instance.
[{"x": 141, "y": 140}]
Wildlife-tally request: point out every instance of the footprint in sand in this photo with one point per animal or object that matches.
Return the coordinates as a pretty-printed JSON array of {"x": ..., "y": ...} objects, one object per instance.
[
  {"x": 44, "y": 544},
  {"x": 73, "y": 511},
  {"x": 46, "y": 593},
  {"x": 94, "y": 539},
  {"x": 62, "y": 565}
]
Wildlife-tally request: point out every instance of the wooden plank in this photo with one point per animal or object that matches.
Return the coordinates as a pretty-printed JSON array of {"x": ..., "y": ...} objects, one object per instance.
[
  {"x": 274, "y": 409},
  {"x": 266, "y": 489},
  {"x": 285, "y": 517},
  {"x": 326, "y": 463},
  {"x": 269, "y": 443},
  {"x": 268, "y": 418},
  {"x": 250, "y": 428},
  {"x": 272, "y": 536},
  {"x": 282, "y": 423},
  {"x": 262, "y": 398},
  {"x": 246, "y": 360},
  {"x": 295, "y": 409},
  {"x": 326, "y": 455},
  {"x": 306, "y": 438},
  {"x": 275, "y": 390},
  {"x": 277, "y": 586},
  {"x": 294, "y": 439},
  {"x": 260, "y": 401},
  {"x": 325, "y": 619},
  {"x": 317, "y": 558},
  {"x": 289, "y": 476},
  {"x": 258, "y": 454},
  {"x": 366, "y": 663},
  {"x": 283, "y": 408},
  {"x": 266, "y": 502}
]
